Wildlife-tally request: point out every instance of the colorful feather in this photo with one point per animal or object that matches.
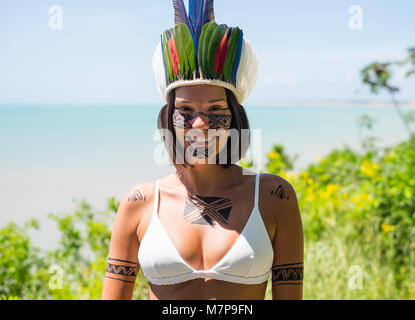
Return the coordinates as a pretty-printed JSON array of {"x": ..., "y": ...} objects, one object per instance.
[
  {"x": 207, "y": 33},
  {"x": 214, "y": 43},
  {"x": 180, "y": 14},
  {"x": 237, "y": 57},
  {"x": 198, "y": 43},
  {"x": 200, "y": 13},
  {"x": 173, "y": 53},
  {"x": 164, "y": 60},
  {"x": 221, "y": 54},
  {"x": 167, "y": 57},
  {"x": 185, "y": 48},
  {"x": 230, "y": 56}
]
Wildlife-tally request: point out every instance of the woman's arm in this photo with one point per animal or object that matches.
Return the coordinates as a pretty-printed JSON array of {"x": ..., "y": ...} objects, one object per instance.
[
  {"x": 288, "y": 265},
  {"x": 122, "y": 266}
]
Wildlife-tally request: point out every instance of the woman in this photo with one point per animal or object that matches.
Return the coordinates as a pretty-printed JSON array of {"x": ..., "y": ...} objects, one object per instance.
[{"x": 211, "y": 229}]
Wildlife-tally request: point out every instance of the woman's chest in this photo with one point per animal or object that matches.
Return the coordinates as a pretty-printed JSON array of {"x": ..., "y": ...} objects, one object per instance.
[{"x": 203, "y": 230}]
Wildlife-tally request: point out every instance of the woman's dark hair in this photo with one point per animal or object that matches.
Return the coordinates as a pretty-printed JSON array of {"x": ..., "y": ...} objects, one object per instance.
[{"x": 239, "y": 122}]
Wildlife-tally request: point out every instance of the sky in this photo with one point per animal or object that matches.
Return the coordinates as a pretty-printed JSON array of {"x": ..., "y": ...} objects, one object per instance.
[{"x": 103, "y": 52}]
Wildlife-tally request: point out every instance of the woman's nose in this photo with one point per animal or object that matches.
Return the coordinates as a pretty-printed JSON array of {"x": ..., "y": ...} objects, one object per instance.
[{"x": 201, "y": 122}]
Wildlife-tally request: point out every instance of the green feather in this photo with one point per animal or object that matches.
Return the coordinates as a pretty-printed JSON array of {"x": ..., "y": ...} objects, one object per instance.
[
  {"x": 213, "y": 47},
  {"x": 187, "y": 48},
  {"x": 180, "y": 52},
  {"x": 167, "y": 59},
  {"x": 208, "y": 30},
  {"x": 201, "y": 40},
  {"x": 230, "y": 55}
]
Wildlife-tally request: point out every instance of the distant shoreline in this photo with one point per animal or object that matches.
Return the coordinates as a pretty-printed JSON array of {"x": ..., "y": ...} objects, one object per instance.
[
  {"x": 282, "y": 103},
  {"x": 339, "y": 103}
]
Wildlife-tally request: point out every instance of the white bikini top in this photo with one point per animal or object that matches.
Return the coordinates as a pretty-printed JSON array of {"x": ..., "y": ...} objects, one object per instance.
[{"x": 249, "y": 260}]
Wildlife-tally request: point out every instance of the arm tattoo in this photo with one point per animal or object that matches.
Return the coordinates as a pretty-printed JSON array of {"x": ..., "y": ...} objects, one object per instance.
[
  {"x": 279, "y": 193},
  {"x": 123, "y": 268},
  {"x": 207, "y": 210},
  {"x": 288, "y": 274},
  {"x": 136, "y": 195}
]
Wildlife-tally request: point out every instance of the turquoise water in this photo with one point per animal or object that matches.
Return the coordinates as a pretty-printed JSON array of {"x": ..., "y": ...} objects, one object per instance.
[
  {"x": 111, "y": 133},
  {"x": 50, "y": 154}
]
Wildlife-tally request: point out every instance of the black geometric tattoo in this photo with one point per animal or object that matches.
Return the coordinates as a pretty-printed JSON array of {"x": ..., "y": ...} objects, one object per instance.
[
  {"x": 202, "y": 152},
  {"x": 121, "y": 269},
  {"x": 207, "y": 210},
  {"x": 136, "y": 196},
  {"x": 288, "y": 274},
  {"x": 280, "y": 193},
  {"x": 216, "y": 121}
]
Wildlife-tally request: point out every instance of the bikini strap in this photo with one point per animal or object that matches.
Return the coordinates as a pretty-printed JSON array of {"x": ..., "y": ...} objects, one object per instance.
[
  {"x": 257, "y": 188},
  {"x": 156, "y": 196}
]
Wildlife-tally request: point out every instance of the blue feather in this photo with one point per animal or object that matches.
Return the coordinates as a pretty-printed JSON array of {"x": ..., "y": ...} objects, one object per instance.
[
  {"x": 237, "y": 57},
  {"x": 200, "y": 13},
  {"x": 180, "y": 14}
]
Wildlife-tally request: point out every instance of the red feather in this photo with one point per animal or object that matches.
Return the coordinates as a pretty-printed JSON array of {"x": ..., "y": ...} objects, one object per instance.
[
  {"x": 174, "y": 56},
  {"x": 221, "y": 54}
]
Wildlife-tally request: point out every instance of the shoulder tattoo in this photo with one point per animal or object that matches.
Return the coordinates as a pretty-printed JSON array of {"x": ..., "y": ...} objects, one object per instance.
[{"x": 136, "y": 195}]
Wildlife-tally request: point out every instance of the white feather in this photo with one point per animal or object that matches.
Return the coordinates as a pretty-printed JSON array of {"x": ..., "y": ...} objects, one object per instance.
[{"x": 158, "y": 69}]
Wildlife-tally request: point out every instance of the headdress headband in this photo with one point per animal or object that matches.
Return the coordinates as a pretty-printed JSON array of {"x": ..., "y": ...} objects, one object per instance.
[{"x": 199, "y": 51}]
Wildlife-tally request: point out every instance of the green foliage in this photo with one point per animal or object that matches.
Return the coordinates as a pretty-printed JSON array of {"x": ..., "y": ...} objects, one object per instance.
[
  {"x": 358, "y": 213},
  {"x": 74, "y": 270},
  {"x": 20, "y": 263},
  {"x": 377, "y": 76}
]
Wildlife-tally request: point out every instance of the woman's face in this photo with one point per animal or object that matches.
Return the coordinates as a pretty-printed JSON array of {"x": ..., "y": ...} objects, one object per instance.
[{"x": 202, "y": 119}]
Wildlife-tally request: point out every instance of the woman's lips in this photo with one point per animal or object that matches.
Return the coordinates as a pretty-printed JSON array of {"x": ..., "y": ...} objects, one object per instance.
[{"x": 200, "y": 142}]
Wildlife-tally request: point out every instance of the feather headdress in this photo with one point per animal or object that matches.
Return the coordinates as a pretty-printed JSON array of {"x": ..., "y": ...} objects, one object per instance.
[{"x": 199, "y": 51}]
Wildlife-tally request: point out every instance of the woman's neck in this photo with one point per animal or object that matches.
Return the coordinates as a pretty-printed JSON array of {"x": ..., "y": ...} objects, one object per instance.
[{"x": 206, "y": 179}]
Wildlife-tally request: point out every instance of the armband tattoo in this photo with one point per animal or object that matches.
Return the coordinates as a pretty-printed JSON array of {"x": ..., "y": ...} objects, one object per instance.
[
  {"x": 288, "y": 274},
  {"x": 125, "y": 269}
]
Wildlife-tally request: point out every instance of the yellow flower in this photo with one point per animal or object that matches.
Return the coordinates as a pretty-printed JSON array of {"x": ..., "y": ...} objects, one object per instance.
[
  {"x": 292, "y": 176},
  {"x": 363, "y": 197},
  {"x": 344, "y": 196},
  {"x": 387, "y": 227},
  {"x": 353, "y": 199},
  {"x": 369, "y": 169},
  {"x": 274, "y": 155},
  {"x": 330, "y": 189},
  {"x": 304, "y": 175},
  {"x": 310, "y": 181}
]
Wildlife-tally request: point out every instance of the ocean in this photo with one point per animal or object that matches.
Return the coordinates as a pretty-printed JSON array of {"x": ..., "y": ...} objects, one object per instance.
[{"x": 52, "y": 154}]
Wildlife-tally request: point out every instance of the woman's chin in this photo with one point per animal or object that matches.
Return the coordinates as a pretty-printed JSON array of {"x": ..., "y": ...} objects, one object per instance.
[{"x": 202, "y": 154}]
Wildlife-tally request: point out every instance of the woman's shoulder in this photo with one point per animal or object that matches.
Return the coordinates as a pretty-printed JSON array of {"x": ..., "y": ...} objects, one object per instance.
[
  {"x": 274, "y": 183},
  {"x": 276, "y": 194},
  {"x": 138, "y": 197}
]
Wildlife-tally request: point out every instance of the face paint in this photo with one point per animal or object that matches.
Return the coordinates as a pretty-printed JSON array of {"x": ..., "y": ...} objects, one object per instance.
[{"x": 216, "y": 121}]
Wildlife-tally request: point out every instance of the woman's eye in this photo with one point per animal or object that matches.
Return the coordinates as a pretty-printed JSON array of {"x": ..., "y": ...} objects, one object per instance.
[{"x": 184, "y": 109}]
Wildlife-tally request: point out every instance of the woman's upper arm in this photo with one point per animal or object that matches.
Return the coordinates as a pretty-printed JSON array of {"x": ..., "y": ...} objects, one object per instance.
[
  {"x": 122, "y": 264},
  {"x": 288, "y": 244}
]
